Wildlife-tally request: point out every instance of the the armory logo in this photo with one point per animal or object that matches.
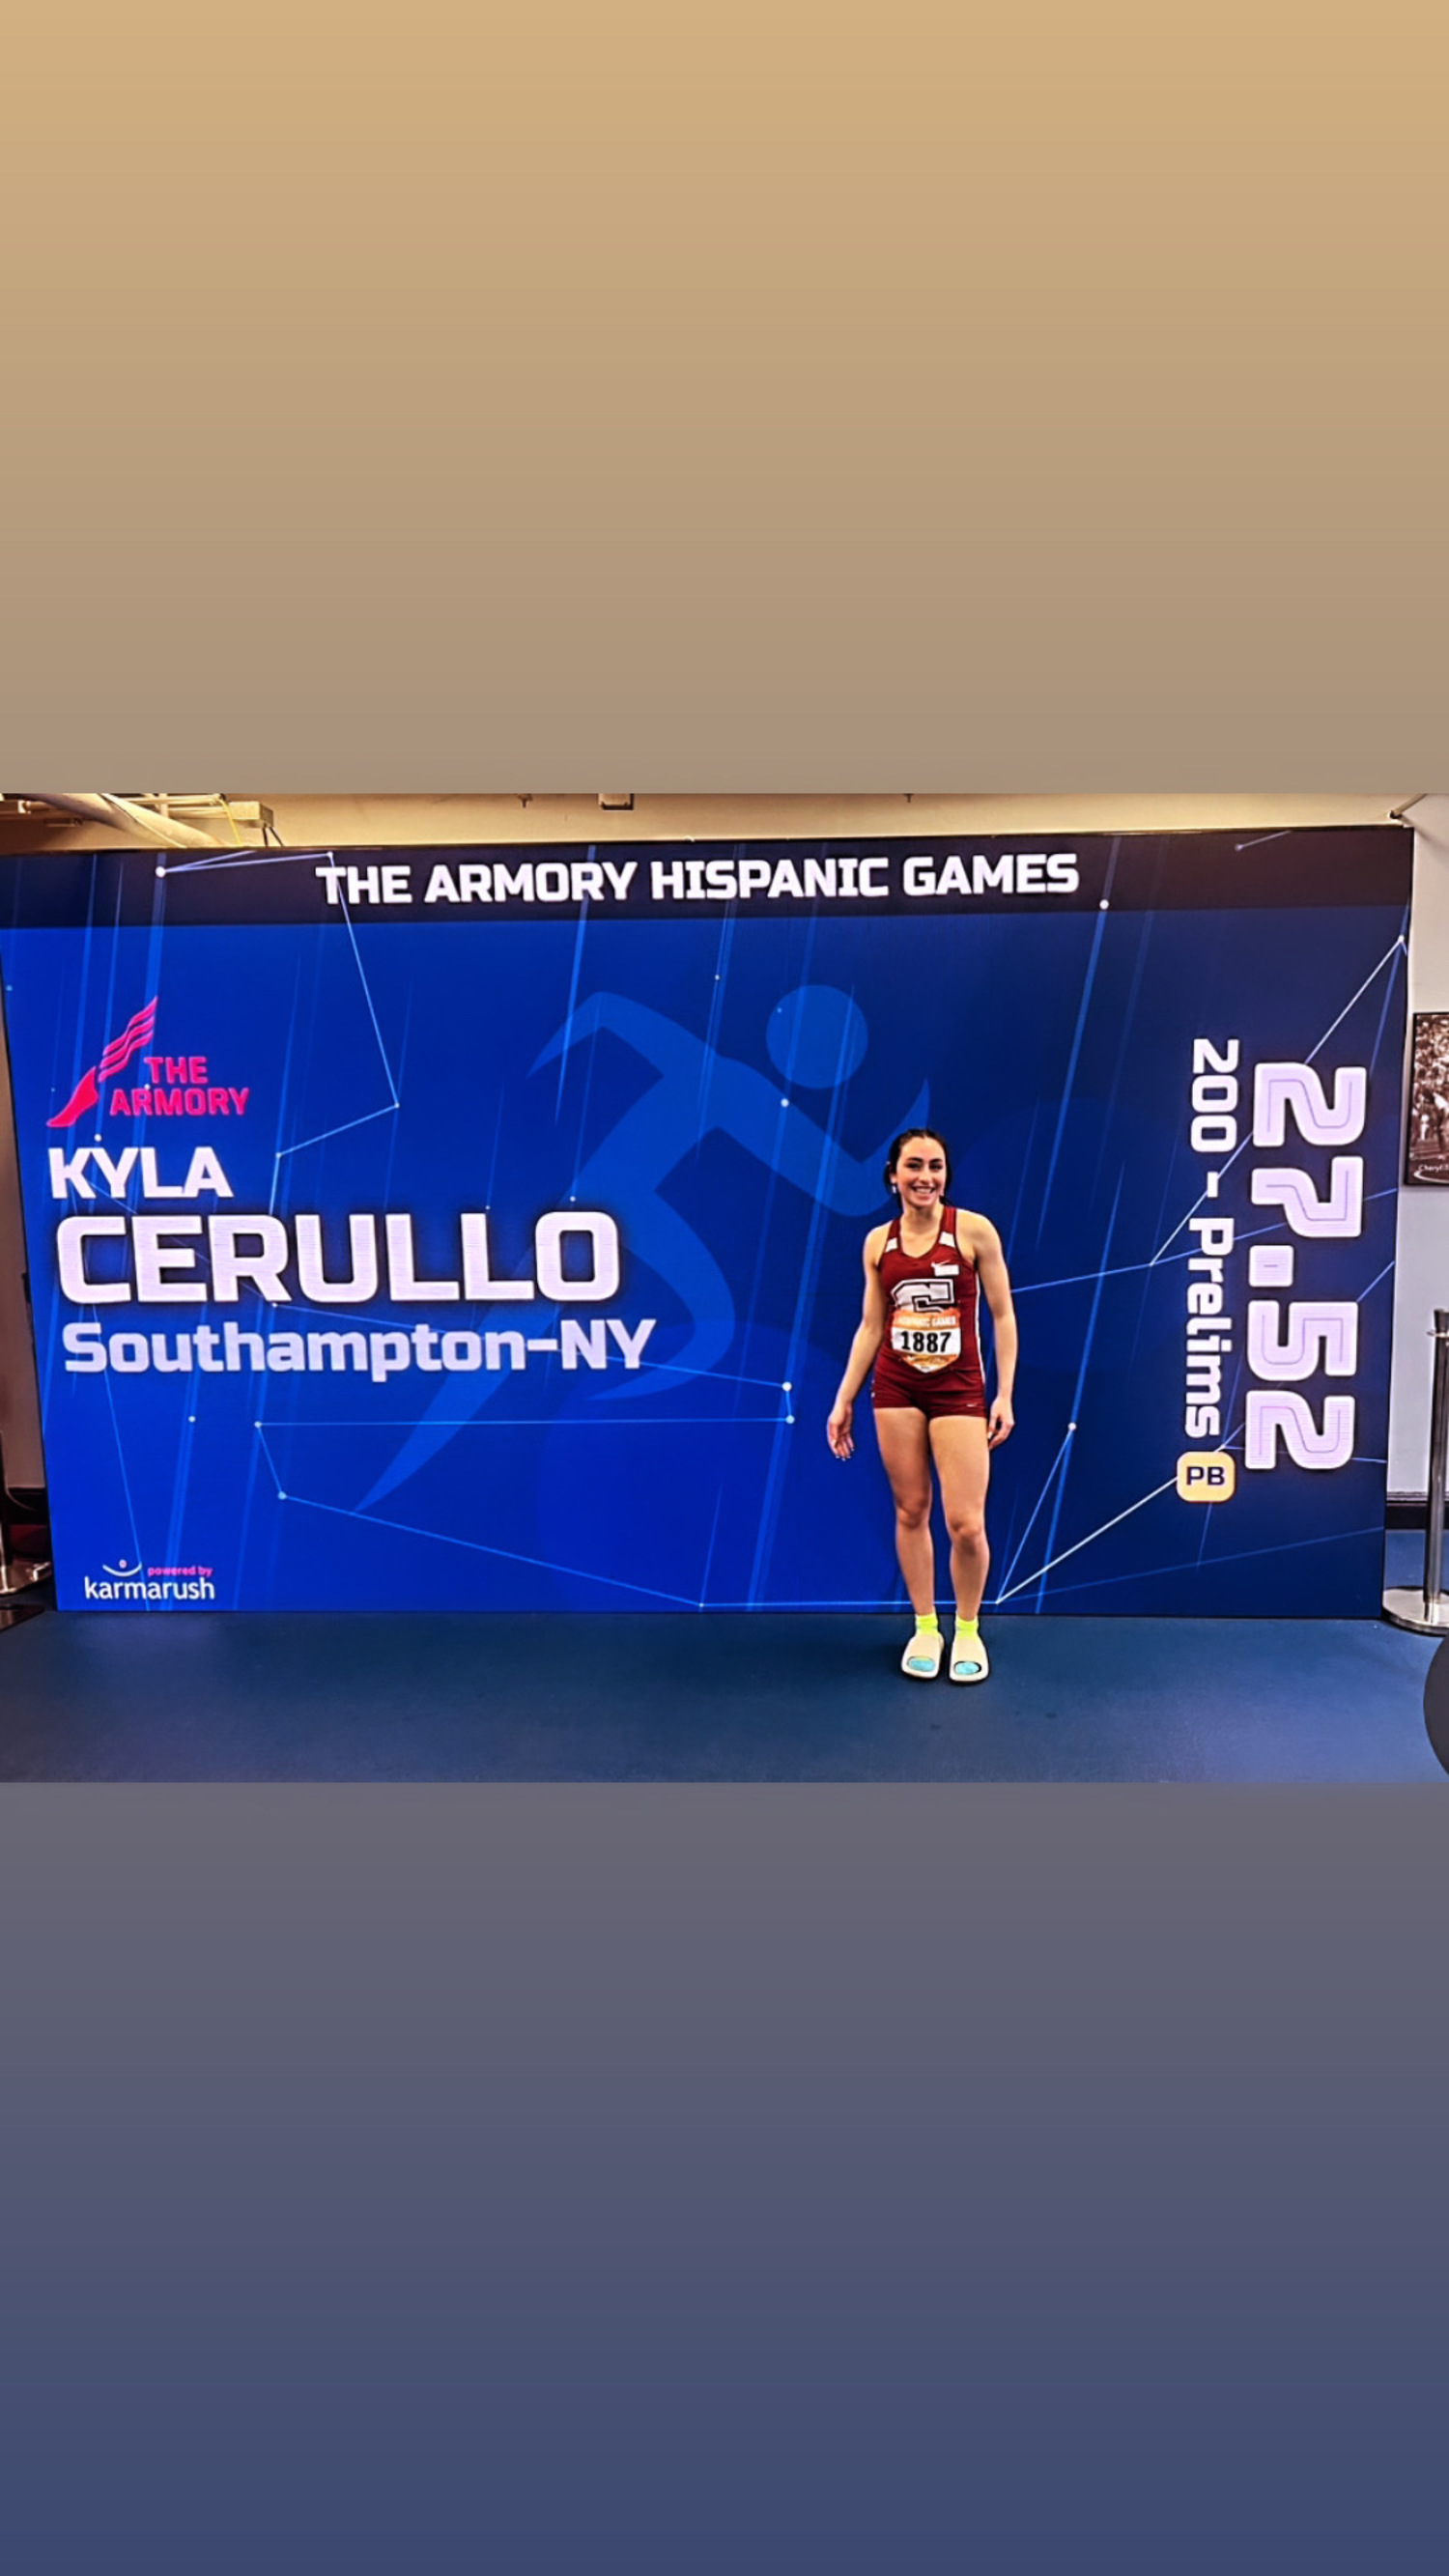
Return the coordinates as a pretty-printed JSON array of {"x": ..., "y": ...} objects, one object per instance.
[
  {"x": 177, "y": 1086},
  {"x": 127, "y": 1582}
]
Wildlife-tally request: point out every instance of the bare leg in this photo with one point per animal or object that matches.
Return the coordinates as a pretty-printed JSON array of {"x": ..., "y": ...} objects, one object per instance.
[
  {"x": 901, "y": 1434},
  {"x": 963, "y": 1464}
]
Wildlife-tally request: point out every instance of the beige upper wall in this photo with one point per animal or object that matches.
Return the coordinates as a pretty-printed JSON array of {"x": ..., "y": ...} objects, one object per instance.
[{"x": 311, "y": 821}]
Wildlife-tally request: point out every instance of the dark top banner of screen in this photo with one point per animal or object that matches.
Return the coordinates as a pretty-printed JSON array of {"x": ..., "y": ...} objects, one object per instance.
[{"x": 653, "y": 880}]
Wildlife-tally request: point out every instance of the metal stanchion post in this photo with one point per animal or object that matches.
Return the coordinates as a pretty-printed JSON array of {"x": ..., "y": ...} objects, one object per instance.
[{"x": 1425, "y": 1608}]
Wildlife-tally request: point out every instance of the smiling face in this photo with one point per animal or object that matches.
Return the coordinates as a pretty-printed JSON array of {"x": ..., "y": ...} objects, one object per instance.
[{"x": 919, "y": 1173}]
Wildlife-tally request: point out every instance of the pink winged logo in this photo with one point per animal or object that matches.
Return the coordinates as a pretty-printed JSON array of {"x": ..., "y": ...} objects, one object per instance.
[{"x": 138, "y": 1032}]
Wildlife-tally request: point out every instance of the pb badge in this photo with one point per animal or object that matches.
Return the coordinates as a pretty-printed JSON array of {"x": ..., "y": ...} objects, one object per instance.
[{"x": 1205, "y": 1475}]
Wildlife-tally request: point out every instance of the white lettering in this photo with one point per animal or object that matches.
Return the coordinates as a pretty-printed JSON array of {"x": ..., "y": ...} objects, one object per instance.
[
  {"x": 1319, "y": 1333},
  {"x": 230, "y": 1265},
  {"x": 205, "y": 1173},
  {"x": 71, "y": 1237},
  {"x": 631, "y": 1344},
  {"x": 152, "y": 1186},
  {"x": 362, "y": 1245},
  {"x": 404, "y": 1285},
  {"x": 1277, "y": 1088},
  {"x": 334, "y": 1350},
  {"x": 115, "y": 1174},
  {"x": 550, "y": 1235},
  {"x": 479, "y": 1284},
  {"x": 1339, "y": 1215},
  {"x": 68, "y": 1172},
  {"x": 1271, "y": 1417},
  {"x": 157, "y": 1258},
  {"x": 380, "y": 1355}
]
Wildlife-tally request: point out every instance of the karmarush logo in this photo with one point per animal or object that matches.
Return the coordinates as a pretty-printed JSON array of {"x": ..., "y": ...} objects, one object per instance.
[
  {"x": 180, "y": 1086},
  {"x": 126, "y": 1582}
]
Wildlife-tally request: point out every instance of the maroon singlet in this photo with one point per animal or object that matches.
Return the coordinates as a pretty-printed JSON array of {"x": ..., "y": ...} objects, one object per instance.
[{"x": 930, "y": 1353}]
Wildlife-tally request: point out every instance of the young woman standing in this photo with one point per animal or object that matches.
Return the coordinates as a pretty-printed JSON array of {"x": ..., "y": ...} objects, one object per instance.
[{"x": 924, "y": 1275}]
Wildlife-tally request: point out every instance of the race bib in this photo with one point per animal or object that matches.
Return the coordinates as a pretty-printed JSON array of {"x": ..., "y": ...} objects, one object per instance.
[{"x": 929, "y": 1338}]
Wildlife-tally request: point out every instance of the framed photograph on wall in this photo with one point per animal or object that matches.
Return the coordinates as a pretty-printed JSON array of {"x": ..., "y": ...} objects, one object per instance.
[{"x": 1426, "y": 1141}]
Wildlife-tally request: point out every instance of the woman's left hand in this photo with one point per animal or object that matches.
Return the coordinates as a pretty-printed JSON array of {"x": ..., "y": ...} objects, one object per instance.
[{"x": 1001, "y": 1423}]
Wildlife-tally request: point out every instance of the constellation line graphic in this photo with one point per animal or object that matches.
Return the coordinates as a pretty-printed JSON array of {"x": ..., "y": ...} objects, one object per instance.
[{"x": 479, "y": 1547}]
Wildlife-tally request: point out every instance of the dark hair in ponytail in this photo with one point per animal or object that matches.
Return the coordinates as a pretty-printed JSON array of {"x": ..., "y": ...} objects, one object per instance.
[{"x": 894, "y": 1155}]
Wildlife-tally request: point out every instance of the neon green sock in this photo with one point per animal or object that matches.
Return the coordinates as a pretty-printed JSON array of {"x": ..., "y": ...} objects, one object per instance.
[
  {"x": 927, "y": 1620},
  {"x": 967, "y": 1627}
]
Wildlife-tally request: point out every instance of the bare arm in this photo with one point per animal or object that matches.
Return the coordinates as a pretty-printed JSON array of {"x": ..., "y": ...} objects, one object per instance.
[
  {"x": 984, "y": 1244},
  {"x": 867, "y": 1342}
]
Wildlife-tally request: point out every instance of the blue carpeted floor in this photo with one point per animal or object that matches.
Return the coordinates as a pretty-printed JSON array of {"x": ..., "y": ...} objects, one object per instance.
[{"x": 760, "y": 1697}]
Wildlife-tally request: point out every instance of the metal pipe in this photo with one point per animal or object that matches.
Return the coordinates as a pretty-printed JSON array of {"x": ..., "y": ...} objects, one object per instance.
[
  {"x": 123, "y": 814},
  {"x": 1424, "y": 1607},
  {"x": 1438, "y": 1463}
]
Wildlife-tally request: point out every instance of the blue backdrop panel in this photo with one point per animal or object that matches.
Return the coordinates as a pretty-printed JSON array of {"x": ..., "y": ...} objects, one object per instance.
[{"x": 720, "y": 1083}]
